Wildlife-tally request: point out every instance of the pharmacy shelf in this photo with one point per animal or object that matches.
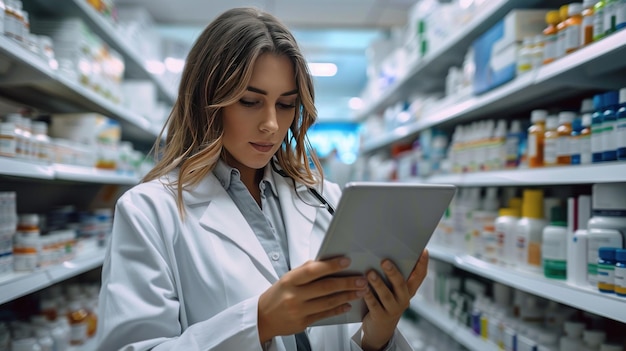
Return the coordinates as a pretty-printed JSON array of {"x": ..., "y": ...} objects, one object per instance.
[
  {"x": 92, "y": 175},
  {"x": 582, "y": 174},
  {"x": 25, "y": 169},
  {"x": 599, "y": 66},
  {"x": 135, "y": 65},
  {"x": 35, "y": 170},
  {"x": 31, "y": 81},
  {"x": 584, "y": 298},
  {"x": 14, "y": 285},
  {"x": 461, "y": 333},
  {"x": 428, "y": 74}
]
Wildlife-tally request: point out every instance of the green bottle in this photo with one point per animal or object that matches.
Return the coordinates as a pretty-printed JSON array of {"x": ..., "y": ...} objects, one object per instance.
[{"x": 598, "y": 20}]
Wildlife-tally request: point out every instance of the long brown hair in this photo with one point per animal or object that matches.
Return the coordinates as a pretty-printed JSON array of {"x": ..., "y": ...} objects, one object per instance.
[{"x": 218, "y": 69}]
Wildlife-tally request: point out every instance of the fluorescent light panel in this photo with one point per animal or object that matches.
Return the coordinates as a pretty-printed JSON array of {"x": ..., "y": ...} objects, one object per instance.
[{"x": 322, "y": 69}]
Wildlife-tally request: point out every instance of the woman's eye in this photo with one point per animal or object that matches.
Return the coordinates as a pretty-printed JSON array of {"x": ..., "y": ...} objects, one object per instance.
[
  {"x": 247, "y": 103},
  {"x": 286, "y": 106}
]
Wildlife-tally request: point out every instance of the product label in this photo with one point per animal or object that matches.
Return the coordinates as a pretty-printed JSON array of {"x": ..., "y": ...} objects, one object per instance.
[
  {"x": 585, "y": 149},
  {"x": 609, "y": 17},
  {"x": 563, "y": 146},
  {"x": 572, "y": 37},
  {"x": 606, "y": 277},
  {"x": 532, "y": 145},
  {"x": 596, "y": 139},
  {"x": 7, "y": 146},
  {"x": 620, "y": 14},
  {"x": 609, "y": 137},
  {"x": 549, "y": 48},
  {"x": 554, "y": 249},
  {"x": 521, "y": 250},
  {"x": 78, "y": 333},
  {"x": 620, "y": 130},
  {"x": 598, "y": 24},
  {"x": 550, "y": 151}
]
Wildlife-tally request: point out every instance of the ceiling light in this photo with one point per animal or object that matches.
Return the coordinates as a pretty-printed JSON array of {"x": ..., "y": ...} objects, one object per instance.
[
  {"x": 355, "y": 103},
  {"x": 322, "y": 69},
  {"x": 174, "y": 65}
]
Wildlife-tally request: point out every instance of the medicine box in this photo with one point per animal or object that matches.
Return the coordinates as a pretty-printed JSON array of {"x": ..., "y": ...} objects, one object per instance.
[{"x": 495, "y": 51}]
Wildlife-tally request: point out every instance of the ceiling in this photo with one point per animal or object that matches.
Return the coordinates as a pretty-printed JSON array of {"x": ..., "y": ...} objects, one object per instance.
[{"x": 337, "y": 31}]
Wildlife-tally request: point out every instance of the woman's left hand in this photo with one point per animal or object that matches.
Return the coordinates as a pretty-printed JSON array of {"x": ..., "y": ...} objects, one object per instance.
[{"x": 385, "y": 312}]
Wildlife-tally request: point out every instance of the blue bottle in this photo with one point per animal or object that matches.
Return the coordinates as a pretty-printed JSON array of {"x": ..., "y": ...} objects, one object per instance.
[
  {"x": 609, "y": 122},
  {"x": 596, "y": 128},
  {"x": 575, "y": 148},
  {"x": 621, "y": 126}
]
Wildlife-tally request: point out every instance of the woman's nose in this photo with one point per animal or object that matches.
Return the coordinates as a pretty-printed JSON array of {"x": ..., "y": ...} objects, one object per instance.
[{"x": 270, "y": 122}]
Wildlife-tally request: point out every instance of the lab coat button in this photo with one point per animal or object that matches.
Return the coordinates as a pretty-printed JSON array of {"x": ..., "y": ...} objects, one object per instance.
[{"x": 275, "y": 256}]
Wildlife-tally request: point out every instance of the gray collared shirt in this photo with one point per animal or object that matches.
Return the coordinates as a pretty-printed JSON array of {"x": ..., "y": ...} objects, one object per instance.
[{"x": 266, "y": 221}]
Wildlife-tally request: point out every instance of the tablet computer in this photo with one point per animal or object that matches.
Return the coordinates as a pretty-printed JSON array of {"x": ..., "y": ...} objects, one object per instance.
[{"x": 374, "y": 221}]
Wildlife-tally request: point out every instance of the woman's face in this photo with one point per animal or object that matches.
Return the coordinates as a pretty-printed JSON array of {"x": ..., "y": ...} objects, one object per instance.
[{"x": 255, "y": 126}]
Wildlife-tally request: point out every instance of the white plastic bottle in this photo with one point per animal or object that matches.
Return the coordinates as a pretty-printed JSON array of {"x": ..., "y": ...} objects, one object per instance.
[
  {"x": 42, "y": 143},
  {"x": 577, "y": 244},
  {"x": 505, "y": 226},
  {"x": 572, "y": 339},
  {"x": 593, "y": 339},
  {"x": 608, "y": 224},
  {"x": 554, "y": 245},
  {"x": 44, "y": 339},
  {"x": 529, "y": 230},
  {"x": 25, "y": 344}
]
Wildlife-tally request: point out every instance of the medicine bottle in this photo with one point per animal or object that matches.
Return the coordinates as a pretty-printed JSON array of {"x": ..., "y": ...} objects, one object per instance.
[
  {"x": 524, "y": 56},
  {"x": 551, "y": 137},
  {"x": 606, "y": 269},
  {"x": 598, "y": 20},
  {"x": 609, "y": 122},
  {"x": 593, "y": 339},
  {"x": 620, "y": 272},
  {"x": 529, "y": 230},
  {"x": 620, "y": 126},
  {"x": 584, "y": 140},
  {"x": 8, "y": 140},
  {"x": 77, "y": 317},
  {"x": 587, "y": 23},
  {"x": 564, "y": 141},
  {"x": 610, "y": 7},
  {"x": 607, "y": 225},
  {"x": 536, "y": 138},
  {"x": 561, "y": 31},
  {"x": 596, "y": 128},
  {"x": 573, "y": 27},
  {"x": 554, "y": 245},
  {"x": 504, "y": 226},
  {"x": 43, "y": 148},
  {"x": 550, "y": 37},
  {"x": 620, "y": 16}
]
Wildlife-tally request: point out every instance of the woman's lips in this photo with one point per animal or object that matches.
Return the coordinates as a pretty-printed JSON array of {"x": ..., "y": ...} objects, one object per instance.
[{"x": 262, "y": 147}]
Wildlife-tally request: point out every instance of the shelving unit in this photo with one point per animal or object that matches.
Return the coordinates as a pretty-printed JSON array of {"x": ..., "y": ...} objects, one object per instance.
[
  {"x": 592, "y": 67},
  {"x": 26, "y": 169},
  {"x": 31, "y": 81},
  {"x": 597, "y": 67},
  {"x": 15, "y": 285},
  {"x": 134, "y": 63},
  {"x": 456, "y": 330},
  {"x": 26, "y": 78},
  {"x": 583, "y": 174},
  {"x": 584, "y": 298}
]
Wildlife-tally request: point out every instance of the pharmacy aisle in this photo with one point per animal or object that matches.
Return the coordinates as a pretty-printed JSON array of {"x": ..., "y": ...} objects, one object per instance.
[{"x": 526, "y": 119}]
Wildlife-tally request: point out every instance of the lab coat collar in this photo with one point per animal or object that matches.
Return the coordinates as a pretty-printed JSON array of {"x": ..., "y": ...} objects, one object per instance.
[{"x": 222, "y": 217}]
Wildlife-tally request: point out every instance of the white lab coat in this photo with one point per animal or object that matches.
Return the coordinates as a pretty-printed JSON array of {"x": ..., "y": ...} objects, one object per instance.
[{"x": 194, "y": 284}]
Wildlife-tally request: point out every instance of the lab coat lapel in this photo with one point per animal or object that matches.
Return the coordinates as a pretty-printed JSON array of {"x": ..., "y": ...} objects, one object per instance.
[
  {"x": 298, "y": 218},
  {"x": 223, "y": 218}
]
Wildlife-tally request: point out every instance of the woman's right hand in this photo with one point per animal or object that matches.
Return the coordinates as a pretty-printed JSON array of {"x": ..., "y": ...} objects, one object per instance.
[{"x": 305, "y": 295}]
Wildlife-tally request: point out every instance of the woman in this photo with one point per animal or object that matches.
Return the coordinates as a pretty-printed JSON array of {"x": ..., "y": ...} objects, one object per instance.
[{"x": 213, "y": 250}]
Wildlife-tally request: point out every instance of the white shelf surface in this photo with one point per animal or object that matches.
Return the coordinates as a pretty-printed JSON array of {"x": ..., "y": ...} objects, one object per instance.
[
  {"x": 578, "y": 174},
  {"x": 30, "y": 80},
  {"x": 462, "y": 334},
  {"x": 27, "y": 169},
  {"x": 92, "y": 175},
  {"x": 585, "y": 298},
  {"x": 14, "y": 285},
  {"x": 588, "y": 68},
  {"x": 21, "y": 168}
]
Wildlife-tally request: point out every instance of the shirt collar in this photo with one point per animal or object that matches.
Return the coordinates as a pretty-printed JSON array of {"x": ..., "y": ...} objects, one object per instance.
[{"x": 227, "y": 174}]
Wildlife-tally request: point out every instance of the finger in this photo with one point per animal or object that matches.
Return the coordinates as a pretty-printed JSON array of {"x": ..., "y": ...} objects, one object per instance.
[
  {"x": 331, "y": 285},
  {"x": 333, "y": 301},
  {"x": 418, "y": 274},
  {"x": 313, "y": 270},
  {"x": 385, "y": 296},
  {"x": 328, "y": 313},
  {"x": 400, "y": 289}
]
